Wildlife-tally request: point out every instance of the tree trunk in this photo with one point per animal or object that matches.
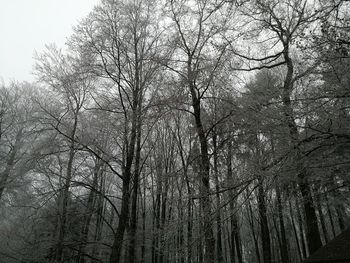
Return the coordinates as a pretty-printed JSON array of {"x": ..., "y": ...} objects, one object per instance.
[
  {"x": 162, "y": 223},
  {"x": 100, "y": 214},
  {"x": 180, "y": 232},
  {"x": 124, "y": 211},
  {"x": 341, "y": 220},
  {"x": 301, "y": 228},
  {"x": 321, "y": 215},
  {"x": 218, "y": 218},
  {"x": 329, "y": 212},
  {"x": 264, "y": 228},
  {"x": 64, "y": 193},
  {"x": 295, "y": 232},
  {"x": 133, "y": 220},
  {"x": 88, "y": 214},
  {"x": 312, "y": 231},
  {"x": 284, "y": 245},
  {"x": 189, "y": 222},
  {"x": 189, "y": 197},
  {"x": 235, "y": 236},
  {"x": 143, "y": 245},
  {"x": 251, "y": 223},
  {"x": 156, "y": 222},
  {"x": 123, "y": 221},
  {"x": 209, "y": 255}
]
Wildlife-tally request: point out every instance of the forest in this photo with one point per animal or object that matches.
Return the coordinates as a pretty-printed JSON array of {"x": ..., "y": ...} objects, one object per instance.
[{"x": 181, "y": 131}]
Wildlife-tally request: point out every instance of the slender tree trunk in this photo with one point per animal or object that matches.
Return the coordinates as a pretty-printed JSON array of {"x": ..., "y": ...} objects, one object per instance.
[
  {"x": 156, "y": 232},
  {"x": 295, "y": 231},
  {"x": 100, "y": 214},
  {"x": 135, "y": 188},
  {"x": 341, "y": 220},
  {"x": 232, "y": 238},
  {"x": 235, "y": 240},
  {"x": 64, "y": 193},
  {"x": 329, "y": 212},
  {"x": 189, "y": 224},
  {"x": 143, "y": 245},
  {"x": 225, "y": 237},
  {"x": 88, "y": 214},
  {"x": 264, "y": 228},
  {"x": 251, "y": 221},
  {"x": 218, "y": 218},
  {"x": 123, "y": 221},
  {"x": 162, "y": 223},
  {"x": 279, "y": 242},
  {"x": 209, "y": 256},
  {"x": 124, "y": 211},
  {"x": 321, "y": 216},
  {"x": 180, "y": 241},
  {"x": 301, "y": 228},
  {"x": 200, "y": 241},
  {"x": 235, "y": 234},
  {"x": 284, "y": 245},
  {"x": 189, "y": 198},
  {"x": 238, "y": 244}
]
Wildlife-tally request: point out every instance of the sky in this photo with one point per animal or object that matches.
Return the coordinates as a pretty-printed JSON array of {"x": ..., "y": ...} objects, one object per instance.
[{"x": 27, "y": 26}]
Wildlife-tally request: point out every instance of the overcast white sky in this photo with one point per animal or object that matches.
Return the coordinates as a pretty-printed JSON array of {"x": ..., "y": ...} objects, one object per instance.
[{"x": 27, "y": 25}]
